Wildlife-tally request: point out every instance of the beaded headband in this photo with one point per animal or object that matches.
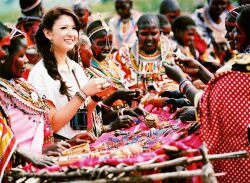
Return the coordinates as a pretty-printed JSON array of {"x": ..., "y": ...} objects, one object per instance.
[
  {"x": 95, "y": 30},
  {"x": 104, "y": 26}
]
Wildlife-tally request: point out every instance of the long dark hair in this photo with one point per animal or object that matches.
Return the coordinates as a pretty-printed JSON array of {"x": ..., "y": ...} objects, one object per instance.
[
  {"x": 243, "y": 19},
  {"x": 43, "y": 44}
]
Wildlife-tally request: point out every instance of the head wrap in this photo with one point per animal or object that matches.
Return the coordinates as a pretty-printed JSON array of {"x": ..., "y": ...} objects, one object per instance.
[{"x": 27, "y": 5}]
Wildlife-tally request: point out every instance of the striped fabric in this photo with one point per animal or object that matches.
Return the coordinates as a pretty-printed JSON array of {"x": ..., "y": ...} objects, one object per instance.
[{"x": 7, "y": 145}]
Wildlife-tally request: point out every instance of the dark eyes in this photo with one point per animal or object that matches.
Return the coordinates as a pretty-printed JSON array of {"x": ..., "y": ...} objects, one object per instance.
[
  {"x": 101, "y": 43},
  {"x": 152, "y": 33},
  {"x": 66, "y": 28}
]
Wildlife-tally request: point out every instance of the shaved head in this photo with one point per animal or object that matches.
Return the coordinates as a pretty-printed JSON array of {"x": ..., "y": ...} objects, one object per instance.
[{"x": 148, "y": 20}]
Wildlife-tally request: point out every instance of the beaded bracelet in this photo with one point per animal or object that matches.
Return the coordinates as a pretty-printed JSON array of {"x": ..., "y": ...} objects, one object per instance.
[
  {"x": 80, "y": 96},
  {"x": 185, "y": 83},
  {"x": 186, "y": 90}
]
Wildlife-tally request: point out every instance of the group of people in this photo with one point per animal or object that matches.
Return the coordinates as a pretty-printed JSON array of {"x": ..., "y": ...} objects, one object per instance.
[{"x": 87, "y": 77}]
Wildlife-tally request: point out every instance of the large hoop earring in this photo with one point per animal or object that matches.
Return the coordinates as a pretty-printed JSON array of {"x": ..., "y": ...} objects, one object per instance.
[{"x": 51, "y": 47}]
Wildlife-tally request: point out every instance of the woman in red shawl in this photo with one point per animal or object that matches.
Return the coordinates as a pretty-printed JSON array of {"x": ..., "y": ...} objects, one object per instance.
[{"x": 224, "y": 107}]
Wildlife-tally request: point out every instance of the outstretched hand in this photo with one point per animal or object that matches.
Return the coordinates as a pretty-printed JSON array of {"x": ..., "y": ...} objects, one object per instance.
[
  {"x": 127, "y": 95},
  {"x": 174, "y": 71},
  {"x": 173, "y": 104},
  {"x": 185, "y": 114},
  {"x": 188, "y": 65},
  {"x": 124, "y": 121},
  {"x": 36, "y": 159},
  {"x": 82, "y": 137},
  {"x": 171, "y": 94},
  {"x": 135, "y": 112}
]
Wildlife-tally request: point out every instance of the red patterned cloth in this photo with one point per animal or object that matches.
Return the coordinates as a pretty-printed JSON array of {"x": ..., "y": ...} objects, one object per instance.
[{"x": 224, "y": 116}]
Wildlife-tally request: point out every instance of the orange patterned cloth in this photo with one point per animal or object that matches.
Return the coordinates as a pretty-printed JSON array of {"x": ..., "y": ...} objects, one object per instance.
[
  {"x": 7, "y": 145},
  {"x": 224, "y": 116}
]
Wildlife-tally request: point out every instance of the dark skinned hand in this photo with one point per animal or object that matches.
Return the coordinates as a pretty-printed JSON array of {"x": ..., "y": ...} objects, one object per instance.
[
  {"x": 56, "y": 149},
  {"x": 172, "y": 94},
  {"x": 124, "y": 121},
  {"x": 174, "y": 72},
  {"x": 135, "y": 112},
  {"x": 173, "y": 104},
  {"x": 188, "y": 65},
  {"x": 185, "y": 114},
  {"x": 127, "y": 95},
  {"x": 36, "y": 159},
  {"x": 82, "y": 137}
]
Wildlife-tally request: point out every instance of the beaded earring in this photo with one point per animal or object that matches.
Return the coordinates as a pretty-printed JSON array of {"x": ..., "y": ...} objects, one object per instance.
[
  {"x": 2, "y": 62},
  {"x": 165, "y": 46},
  {"x": 51, "y": 47},
  {"x": 78, "y": 56}
]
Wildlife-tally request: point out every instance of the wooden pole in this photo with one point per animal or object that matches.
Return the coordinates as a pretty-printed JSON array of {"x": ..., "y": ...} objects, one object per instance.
[
  {"x": 111, "y": 170},
  {"x": 207, "y": 169}
]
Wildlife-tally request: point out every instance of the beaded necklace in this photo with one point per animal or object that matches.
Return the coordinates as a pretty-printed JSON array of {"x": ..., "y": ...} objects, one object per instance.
[
  {"x": 121, "y": 32},
  {"x": 24, "y": 93},
  {"x": 108, "y": 69},
  {"x": 144, "y": 64}
]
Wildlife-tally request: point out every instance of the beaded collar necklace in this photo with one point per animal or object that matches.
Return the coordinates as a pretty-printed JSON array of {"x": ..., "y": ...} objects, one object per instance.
[
  {"x": 149, "y": 64},
  {"x": 24, "y": 93}
]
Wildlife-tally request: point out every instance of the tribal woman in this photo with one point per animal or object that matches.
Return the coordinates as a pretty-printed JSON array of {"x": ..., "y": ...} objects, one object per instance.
[
  {"x": 23, "y": 126},
  {"x": 142, "y": 62},
  {"x": 224, "y": 108},
  {"x": 101, "y": 65}
]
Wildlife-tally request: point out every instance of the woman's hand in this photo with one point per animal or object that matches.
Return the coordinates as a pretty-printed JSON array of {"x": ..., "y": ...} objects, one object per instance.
[
  {"x": 185, "y": 114},
  {"x": 36, "y": 159},
  {"x": 95, "y": 85},
  {"x": 173, "y": 104},
  {"x": 188, "y": 65},
  {"x": 56, "y": 149},
  {"x": 135, "y": 112},
  {"x": 194, "y": 68},
  {"x": 156, "y": 102},
  {"x": 127, "y": 95},
  {"x": 171, "y": 94},
  {"x": 82, "y": 137},
  {"x": 174, "y": 71},
  {"x": 124, "y": 121}
]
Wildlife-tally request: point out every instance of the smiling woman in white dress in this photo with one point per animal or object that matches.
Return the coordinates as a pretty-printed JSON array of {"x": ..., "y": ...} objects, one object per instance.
[{"x": 59, "y": 78}]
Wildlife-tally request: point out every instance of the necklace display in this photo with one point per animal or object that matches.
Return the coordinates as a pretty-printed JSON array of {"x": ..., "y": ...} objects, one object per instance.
[{"x": 107, "y": 69}]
